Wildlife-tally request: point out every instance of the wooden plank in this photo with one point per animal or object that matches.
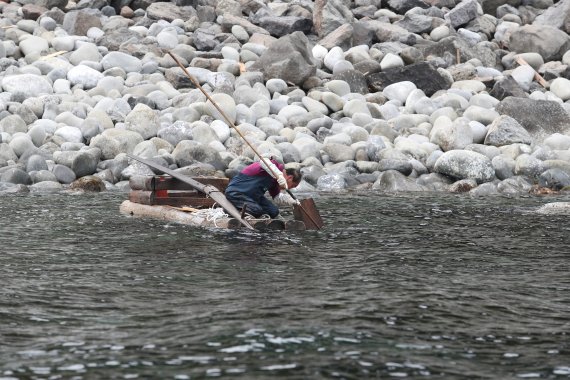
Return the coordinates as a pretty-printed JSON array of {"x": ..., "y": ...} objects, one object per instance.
[
  {"x": 185, "y": 201},
  {"x": 170, "y": 183},
  {"x": 308, "y": 214},
  {"x": 150, "y": 198}
]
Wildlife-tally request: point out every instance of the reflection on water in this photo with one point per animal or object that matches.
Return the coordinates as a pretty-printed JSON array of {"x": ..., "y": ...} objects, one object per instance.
[{"x": 430, "y": 286}]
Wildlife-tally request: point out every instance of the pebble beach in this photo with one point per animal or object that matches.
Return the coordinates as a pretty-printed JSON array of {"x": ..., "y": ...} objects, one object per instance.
[{"x": 390, "y": 96}]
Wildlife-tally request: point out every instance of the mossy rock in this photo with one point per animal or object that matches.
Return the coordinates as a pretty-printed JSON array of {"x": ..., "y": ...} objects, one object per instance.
[{"x": 88, "y": 183}]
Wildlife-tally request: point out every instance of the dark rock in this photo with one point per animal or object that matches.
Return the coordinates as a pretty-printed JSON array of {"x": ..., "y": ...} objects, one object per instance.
[
  {"x": 449, "y": 46},
  {"x": 422, "y": 74},
  {"x": 17, "y": 176},
  {"x": 63, "y": 173},
  {"x": 538, "y": 117},
  {"x": 462, "y": 13},
  {"x": 362, "y": 34},
  {"x": 279, "y": 26},
  {"x": 416, "y": 23},
  {"x": 555, "y": 179},
  {"x": 95, "y": 4},
  {"x": 341, "y": 36},
  {"x": 505, "y": 130},
  {"x": 490, "y": 6},
  {"x": 507, "y": 87},
  {"x": 113, "y": 39},
  {"x": 551, "y": 43},
  {"x": 33, "y": 11},
  {"x": 329, "y": 15},
  {"x": 79, "y": 22},
  {"x": 403, "y": 166},
  {"x": 402, "y": 6},
  {"x": 288, "y": 58},
  {"x": 355, "y": 79}
]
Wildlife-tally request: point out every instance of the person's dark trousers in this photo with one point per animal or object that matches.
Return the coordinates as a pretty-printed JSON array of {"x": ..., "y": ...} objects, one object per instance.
[{"x": 252, "y": 207}]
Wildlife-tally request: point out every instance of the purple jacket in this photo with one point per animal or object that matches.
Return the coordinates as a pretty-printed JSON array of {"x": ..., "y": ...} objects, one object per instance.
[{"x": 254, "y": 181}]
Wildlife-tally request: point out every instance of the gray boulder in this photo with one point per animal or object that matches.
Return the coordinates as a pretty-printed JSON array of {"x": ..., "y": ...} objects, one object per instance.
[
  {"x": 279, "y": 26},
  {"x": 143, "y": 120},
  {"x": 338, "y": 152},
  {"x": 78, "y": 22},
  {"x": 169, "y": 11},
  {"x": 26, "y": 85},
  {"x": 529, "y": 166},
  {"x": 538, "y": 117},
  {"x": 555, "y": 179},
  {"x": 504, "y": 166},
  {"x": 17, "y": 176},
  {"x": 514, "y": 185},
  {"x": 393, "y": 181},
  {"x": 188, "y": 152},
  {"x": 174, "y": 133},
  {"x": 84, "y": 163},
  {"x": 548, "y": 41},
  {"x": 402, "y": 166},
  {"x": 288, "y": 58},
  {"x": 36, "y": 162},
  {"x": 505, "y": 130},
  {"x": 328, "y": 15},
  {"x": 462, "y": 13},
  {"x": 557, "y": 15},
  {"x": 331, "y": 182},
  {"x": 114, "y": 141},
  {"x": 63, "y": 173},
  {"x": 484, "y": 190},
  {"x": 46, "y": 187},
  {"x": 422, "y": 74},
  {"x": 465, "y": 164},
  {"x": 43, "y": 176}
]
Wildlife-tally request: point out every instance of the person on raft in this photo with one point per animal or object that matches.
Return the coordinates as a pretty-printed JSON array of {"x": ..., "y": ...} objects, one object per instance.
[{"x": 249, "y": 186}]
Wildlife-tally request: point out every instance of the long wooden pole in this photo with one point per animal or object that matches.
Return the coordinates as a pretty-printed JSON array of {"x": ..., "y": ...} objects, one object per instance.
[{"x": 231, "y": 124}]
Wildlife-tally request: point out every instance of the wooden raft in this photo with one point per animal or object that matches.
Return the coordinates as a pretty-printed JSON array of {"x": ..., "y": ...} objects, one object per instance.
[
  {"x": 168, "y": 191},
  {"x": 167, "y": 198}
]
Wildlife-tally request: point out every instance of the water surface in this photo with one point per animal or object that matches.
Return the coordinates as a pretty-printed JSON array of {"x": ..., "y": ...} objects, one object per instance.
[{"x": 396, "y": 286}]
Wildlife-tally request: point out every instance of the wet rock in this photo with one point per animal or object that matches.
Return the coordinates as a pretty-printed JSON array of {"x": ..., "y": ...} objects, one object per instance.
[
  {"x": 465, "y": 164},
  {"x": 88, "y": 184},
  {"x": 393, "y": 181}
]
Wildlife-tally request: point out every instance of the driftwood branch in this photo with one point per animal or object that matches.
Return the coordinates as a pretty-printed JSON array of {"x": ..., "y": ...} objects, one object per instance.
[{"x": 537, "y": 76}]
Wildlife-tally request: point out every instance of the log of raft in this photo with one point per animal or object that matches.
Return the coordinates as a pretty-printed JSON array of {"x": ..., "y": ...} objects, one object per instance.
[{"x": 200, "y": 219}]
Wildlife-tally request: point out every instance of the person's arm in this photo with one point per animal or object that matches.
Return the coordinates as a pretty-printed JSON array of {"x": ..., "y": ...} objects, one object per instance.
[
  {"x": 271, "y": 168},
  {"x": 284, "y": 198}
]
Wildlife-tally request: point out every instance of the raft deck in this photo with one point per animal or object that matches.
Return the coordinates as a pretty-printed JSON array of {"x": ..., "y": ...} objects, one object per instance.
[{"x": 166, "y": 198}]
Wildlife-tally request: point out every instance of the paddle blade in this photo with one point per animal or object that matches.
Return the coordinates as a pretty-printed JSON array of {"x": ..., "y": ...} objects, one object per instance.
[{"x": 307, "y": 213}]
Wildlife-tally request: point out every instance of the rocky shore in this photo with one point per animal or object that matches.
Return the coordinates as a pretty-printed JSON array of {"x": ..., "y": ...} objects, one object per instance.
[{"x": 398, "y": 95}]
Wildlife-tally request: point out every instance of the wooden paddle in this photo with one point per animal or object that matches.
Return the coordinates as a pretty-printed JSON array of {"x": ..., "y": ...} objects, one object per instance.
[{"x": 231, "y": 124}]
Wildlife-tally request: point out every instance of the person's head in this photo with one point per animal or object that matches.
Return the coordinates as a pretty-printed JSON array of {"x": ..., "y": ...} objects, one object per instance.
[{"x": 293, "y": 177}]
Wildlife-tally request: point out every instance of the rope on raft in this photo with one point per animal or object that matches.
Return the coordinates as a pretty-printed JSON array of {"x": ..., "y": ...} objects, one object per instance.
[{"x": 212, "y": 214}]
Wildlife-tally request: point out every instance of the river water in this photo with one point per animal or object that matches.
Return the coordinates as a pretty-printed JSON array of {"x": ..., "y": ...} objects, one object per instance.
[{"x": 396, "y": 286}]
